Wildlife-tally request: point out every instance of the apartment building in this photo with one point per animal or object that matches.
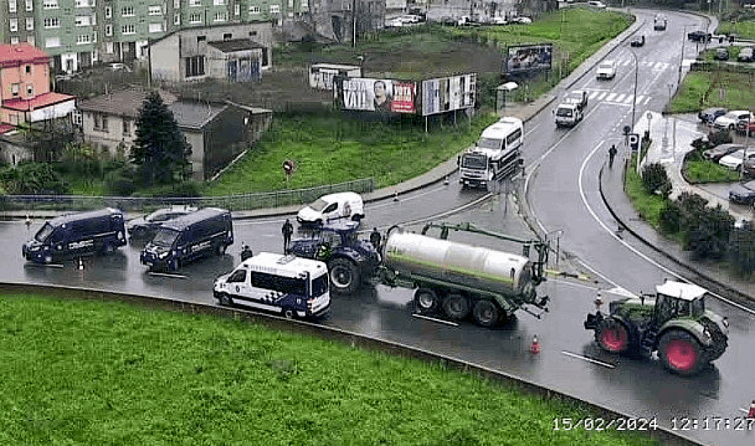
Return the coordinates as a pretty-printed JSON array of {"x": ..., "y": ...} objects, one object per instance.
[{"x": 79, "y": 33}]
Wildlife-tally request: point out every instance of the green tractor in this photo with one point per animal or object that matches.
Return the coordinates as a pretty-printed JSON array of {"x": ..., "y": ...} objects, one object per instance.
[{"x": 673, "y": 322}]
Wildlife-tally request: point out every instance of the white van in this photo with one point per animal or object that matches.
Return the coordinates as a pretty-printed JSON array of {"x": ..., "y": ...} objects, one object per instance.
[
  {"x": 289, "y": 285},
  {"x": 346, "y": 205}
]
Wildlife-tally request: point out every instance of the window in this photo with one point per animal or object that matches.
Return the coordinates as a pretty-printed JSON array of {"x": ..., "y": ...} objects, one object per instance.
[
  {"x": 195, "y": 18},
  {"x": 252, "y": 33},
  {"x": 50, "y": 4},
  {"x": 275, "y": 9},
  {"x": 27, "y": 69},
  {"x": 13, "y": 25},
  {"x": 128, "y": 29},
  {"x": 76, "y": 117},
  {"x": 95, "y": 54},
  {"x": 195, "y": 2},
  {"x": 94, "y": 37},
  {"x": 227, "y": 36},
  {"x": 239, "y": 276},
  {"x": 31, "y": 40},
  {"x": 52, "y": 42},
  {"x": 12, "y": 6},
  {"x": 94, "y": 19},
  {"x": 109, "y": 47},
  {"x": 84, "y": 3},
  {"x": 14, "y": 40},
  {"x": 155, "y": 27},
  {"x": 219, "y": 2},
  {"x": 127, "y": 11},
  {"x": 82, "y": 20},
  {"x": 14, "y": 89},
  {"x": 194, "y": 66},
  {"x": 176, "y": 4},
  {"x": 108, "y": 12},
  {"x": 29, "y": 90},
  {"x": 155, "y": 10},
  {"x": 236, "y": 9},
  {"x": 29, "y": 5},
  {"x": 108, "y": 30},
  {"x": 30, "y": 23},
  {"x": 221, "y": 16},
  {"x": 254, "y": 9},
  {"x": 52, "y": 22},
  {"x": 177, "y": 19},
  {"x": 126, "y": 127},
  {"x": 201, "y": 39},
  {"x": 100, "y": 122},
  {"x": 83, "y": 39}
]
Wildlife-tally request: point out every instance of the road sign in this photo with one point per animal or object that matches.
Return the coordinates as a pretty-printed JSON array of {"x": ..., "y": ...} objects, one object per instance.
[
  {"x": 634, "y": 141},
  {"x": 649, "y": 116}
]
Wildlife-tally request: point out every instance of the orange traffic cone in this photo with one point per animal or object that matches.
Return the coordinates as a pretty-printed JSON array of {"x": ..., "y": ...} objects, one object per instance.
[{"x": 535, "y": 347}]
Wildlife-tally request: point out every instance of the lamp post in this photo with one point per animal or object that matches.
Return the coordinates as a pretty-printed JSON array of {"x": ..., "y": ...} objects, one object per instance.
[
  {"x": 636, "y": 73},
  {"x": 681, "y": 56}
]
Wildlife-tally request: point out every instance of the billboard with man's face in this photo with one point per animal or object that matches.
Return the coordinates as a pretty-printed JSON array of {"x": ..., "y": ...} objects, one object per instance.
[
  {"x": 448, "y": 94},
  {"x": 526, "y": 58},
  {"x": 380, "y": 95}
]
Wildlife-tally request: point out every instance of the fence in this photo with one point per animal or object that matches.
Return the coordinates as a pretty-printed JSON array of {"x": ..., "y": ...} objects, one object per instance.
[{"x": 242, "y": 202}]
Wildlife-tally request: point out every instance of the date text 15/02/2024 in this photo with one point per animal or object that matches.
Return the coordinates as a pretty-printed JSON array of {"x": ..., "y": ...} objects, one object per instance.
[{"x": 710, "y": 423}]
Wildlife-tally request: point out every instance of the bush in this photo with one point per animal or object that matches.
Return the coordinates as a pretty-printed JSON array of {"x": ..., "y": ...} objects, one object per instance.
[
  {"x": 705, "y": 231},
  {"x": 120, "y": 181},
  {"x": 655, "y": 179},
  {"x": 701, "y": 144},
  {"x": 185, "y": 189},
  {"x": 31, "y": 178},
  {"x": 742, "y": 249}
]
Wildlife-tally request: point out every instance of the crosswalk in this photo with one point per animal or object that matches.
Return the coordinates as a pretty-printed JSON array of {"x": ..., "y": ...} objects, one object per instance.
[{"x": 616, "y": 98}]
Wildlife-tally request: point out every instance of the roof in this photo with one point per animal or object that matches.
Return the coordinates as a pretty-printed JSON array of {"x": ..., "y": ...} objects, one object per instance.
[
  {"x": 40, "y": 101},
  {"x": 268, "y": 262},
  {"x": 181, "y": 223},
  {"x": 196, "y": 28},
  {"x": 195, "y": 115},
  {"x": 501, "y": 127},
  {"x": 253, "y": 110},
  {"x": 233, "y": 45},
  {"x": 684, "y": 291},
  {"x": 123, "y": 102},
  {"x": 5, "y": 128},
  {"x": 106, "y": 212},
  {"x": 14, "y": 55}
]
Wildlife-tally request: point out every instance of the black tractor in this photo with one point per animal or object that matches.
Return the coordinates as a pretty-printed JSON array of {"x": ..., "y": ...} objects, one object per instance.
[
  {"x": 351, "y": 261},
  {"x": 672, "y": 322}
]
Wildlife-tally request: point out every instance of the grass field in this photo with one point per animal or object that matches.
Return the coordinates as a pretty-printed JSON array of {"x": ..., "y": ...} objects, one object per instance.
[
  {"x": 716, "y": 88},
  {"x": 98, "y": 373}
]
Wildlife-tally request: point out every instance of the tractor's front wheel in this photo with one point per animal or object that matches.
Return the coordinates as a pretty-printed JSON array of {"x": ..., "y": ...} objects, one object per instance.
[
  {"x": 680, "y": 353},
  {"x": 344, "y": 275},
  {"x": 612, "y": 336}
]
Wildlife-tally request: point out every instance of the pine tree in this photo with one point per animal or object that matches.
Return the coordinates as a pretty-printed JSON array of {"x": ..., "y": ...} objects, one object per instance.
[{"x": 160, "y": 151}]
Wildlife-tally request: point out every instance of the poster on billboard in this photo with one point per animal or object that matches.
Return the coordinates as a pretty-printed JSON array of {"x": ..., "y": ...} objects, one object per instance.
[
  {"x": 448, "y": 94},
  {"x": 380, "y": 95},
  {"x": 321, "y": 75},
  {"x": 527, "y": 58}
]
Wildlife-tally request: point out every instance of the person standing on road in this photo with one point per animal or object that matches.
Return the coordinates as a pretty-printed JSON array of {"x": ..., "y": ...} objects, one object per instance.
[
  {"x": 375, "y": 238},
  {"x": 751, "y": 413},
  {"x": 611, "y": 155},
  {"x": 287, "y": 230}
]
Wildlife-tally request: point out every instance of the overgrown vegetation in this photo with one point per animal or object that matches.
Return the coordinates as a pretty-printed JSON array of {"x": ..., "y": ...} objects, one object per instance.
[{"x": 92, "y": 372}]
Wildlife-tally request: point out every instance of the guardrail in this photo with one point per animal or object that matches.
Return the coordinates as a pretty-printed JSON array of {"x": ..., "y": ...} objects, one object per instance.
[
  {"x": 242, "y": 202},
  {"x": 662, "y": 434}
]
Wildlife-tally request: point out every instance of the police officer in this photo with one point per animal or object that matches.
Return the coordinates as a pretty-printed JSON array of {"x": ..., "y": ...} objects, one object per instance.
[
  {"x": 287, "y": 230},
  {"x": 375, "y": 238}
]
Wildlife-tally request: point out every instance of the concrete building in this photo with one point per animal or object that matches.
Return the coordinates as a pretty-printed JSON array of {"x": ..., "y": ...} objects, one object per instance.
[
  {"x": 230, "y": 52},
  {"x": 217, "y": 132}
]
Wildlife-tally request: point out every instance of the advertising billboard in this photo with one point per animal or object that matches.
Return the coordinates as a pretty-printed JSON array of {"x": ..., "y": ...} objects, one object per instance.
[
  {"x": 380, "y": 95},
  {"x": 527, "y": 58},
  {"x": 448, "y": 93},
  {"x": 321, "y": 75}
]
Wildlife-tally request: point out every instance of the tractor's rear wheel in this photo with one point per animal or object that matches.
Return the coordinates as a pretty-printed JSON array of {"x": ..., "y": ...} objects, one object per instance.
[
  {"x": 425, "y": 301},
  {"x": 612, "y": 336},
  {"x": 486, "y": 313},
  {"x": 680, "y": 353},
  {"x": 456, "y": 306},
  {"x": 344, "y": 275}
]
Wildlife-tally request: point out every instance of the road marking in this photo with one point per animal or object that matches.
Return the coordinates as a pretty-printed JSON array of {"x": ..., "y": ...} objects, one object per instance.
[
  {"x": 172, "y": 276},
  {"x": 610, "y": 97},
  {"x": 593, "y": 94},
  {"x": 620, "y": 98},
  {"x": 602, "y": 95},
  {"x": 744, "y": 410},
  {"x": 576, "y": 284},
  {"x": 585, "y": 358},
  {"x": 647, "y": 100},
  {"x": 432, "y": 319},
  {"x": 47, "y": 265}
]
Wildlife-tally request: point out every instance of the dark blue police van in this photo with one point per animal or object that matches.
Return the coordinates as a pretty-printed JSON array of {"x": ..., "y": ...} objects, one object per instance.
[
  {"x": 185, "y": 239},
  {"x": 75, "y": 235}
]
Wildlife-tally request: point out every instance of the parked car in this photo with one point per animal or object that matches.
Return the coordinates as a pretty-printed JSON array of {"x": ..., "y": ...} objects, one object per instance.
[
  {"x": 746, "y": 54},
  {"x": 721, "y": 54},
  {"x": 345, "y": 205},
  {"x": 709, "y": 115},
  {"x": 638, "y": 41},
  {"x": 748, "y": 168},
  {"x": 119, "y": 66},
  {"x": 498, "y": 21},
  {"x": 730, "y": 120},
  {"x": 720, "y": 151},
  {"x": 597, "y": 4},
  {"x": 606, "y": 70},
  {"x": 733, "y": 161},
  {"x": 521, "y": 20},
  {"x": 746, "y": 128},
  {"x": 743, "y": 193},
  {"x": 699, "y": 36},
  {"x": 146, "y": 227}
]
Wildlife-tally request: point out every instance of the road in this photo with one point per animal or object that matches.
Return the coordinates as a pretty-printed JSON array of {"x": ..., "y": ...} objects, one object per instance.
[{"x": 561, "y": 179}]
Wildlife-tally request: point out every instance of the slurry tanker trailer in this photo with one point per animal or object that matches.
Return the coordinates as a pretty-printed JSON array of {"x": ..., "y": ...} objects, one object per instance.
[{"x": 455, "y": 280}]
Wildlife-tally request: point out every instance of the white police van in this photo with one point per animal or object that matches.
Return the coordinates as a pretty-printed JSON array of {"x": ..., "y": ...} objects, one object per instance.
[{"x": 289, "y": 285}]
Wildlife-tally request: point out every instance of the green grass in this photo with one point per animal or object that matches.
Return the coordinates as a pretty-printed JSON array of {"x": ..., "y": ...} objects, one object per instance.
[
  {"x": 717, "y": 88},
  {"x": 743, "y": 29},
  {"x": 94, "y": 373},
  {"x": 702, "y": 171},
  {"x": 648, "y": 206}
]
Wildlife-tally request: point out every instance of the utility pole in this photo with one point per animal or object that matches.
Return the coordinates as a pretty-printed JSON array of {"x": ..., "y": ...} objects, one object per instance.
[{"x": 354, "y": 23}]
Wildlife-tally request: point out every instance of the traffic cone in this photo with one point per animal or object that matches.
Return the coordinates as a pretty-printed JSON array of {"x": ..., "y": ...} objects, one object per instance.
[
  {"x": 80, "y": 265},
  {"x": 395, "y": 196},
  {"x": 535, "y": 347}
]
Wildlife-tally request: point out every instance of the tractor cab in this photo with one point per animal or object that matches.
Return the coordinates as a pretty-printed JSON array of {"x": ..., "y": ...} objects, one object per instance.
[{"x": 675, "y": 300}]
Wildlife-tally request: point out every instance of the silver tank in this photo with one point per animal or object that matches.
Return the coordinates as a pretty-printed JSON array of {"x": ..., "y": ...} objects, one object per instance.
[{"x": 410, "y": 254}]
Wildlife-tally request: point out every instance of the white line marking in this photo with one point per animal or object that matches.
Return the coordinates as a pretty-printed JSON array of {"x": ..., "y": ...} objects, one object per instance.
[
  {"x": 647, "y": 100},
  {"x": 593, "y": 94},
  {"x": 432, "y": 319},
  {"x": 585, "y": 358},
  {"x": 576, "y": 284},
  {"x": 47, "y": 265},
  {"x": 172, "y": 276},
  {"x": 744, "y": 410},
  {"x": 610, "y": 97},
  {"x": 602, "y": 95},
  {"x": 638, "y": 99},
  {"x": 620, "y": 98}
]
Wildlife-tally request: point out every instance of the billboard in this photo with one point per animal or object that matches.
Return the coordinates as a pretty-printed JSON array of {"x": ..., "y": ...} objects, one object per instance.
[
  {"x": 448, "y": 93},
  {"x": 380, "y": 95},
  {"x": 527, "y": 58},
  {"x": 321, "y": 76}
]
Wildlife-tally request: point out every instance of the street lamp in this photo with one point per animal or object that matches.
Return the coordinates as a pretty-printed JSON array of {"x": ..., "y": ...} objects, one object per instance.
[
  {"x": 681, "y": 56},
  {"x": 636, "y": 72}
]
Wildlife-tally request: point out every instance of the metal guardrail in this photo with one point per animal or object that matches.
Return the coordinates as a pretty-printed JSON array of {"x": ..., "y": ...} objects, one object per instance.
[{"x": 242, "y": 202}]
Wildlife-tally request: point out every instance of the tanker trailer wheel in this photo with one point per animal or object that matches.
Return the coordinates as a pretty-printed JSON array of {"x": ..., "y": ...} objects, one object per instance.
[
  {"x": 680, "y": 353},
  {"x": 425, "y": 300},
  {"x": 612, "y": 336},
  {"x": 486, "y": 313},
  {"x": 344, "y": 275},
  {"x": 456, "y": 306}
]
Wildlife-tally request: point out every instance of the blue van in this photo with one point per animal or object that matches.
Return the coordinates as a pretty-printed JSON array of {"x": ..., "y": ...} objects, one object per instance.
[
  {"x": 185, "y": 239},
  {"x": 75, "y": 235}
]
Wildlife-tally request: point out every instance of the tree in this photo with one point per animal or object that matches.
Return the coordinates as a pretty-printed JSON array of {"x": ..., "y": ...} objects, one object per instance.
[{"x": 160, "y": 151}]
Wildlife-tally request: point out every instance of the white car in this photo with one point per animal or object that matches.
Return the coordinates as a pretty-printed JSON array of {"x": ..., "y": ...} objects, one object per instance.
[
  {"x": 346, "y": 205},
  {"x": 521, "y": 19},
  {"x": 597, "y": 4},
  {"x": 606, "y": 70},
  {"x": 730, "y": 120},
  {"x": 498, "y": 21},
  {"x": 733, "y": 161}
]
